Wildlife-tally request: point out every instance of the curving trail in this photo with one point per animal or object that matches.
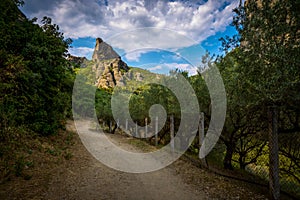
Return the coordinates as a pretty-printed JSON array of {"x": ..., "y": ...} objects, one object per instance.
[
  {"x": 92, "y": 180},
  {"x": 84, "y": 177}
]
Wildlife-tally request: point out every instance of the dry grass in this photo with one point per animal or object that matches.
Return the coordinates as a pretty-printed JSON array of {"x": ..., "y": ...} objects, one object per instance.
[{"x": 27, "y": 161}]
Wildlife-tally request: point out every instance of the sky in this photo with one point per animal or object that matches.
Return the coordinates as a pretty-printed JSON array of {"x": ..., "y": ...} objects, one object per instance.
[{"x": 158, "y": 35}]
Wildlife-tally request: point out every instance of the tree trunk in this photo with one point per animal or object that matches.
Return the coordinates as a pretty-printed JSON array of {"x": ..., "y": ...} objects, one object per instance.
[
  {"x": 115, "y": 128},
  {"x": 242, "y": 162},
  {"x": 109, "y": 125},
  {"x": 228, "y": 156},
  {"x": 273, "y": 157}
]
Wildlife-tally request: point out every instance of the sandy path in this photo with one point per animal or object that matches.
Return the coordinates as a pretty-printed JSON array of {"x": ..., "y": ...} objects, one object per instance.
[
  {"x": 84, "y": 177},
  {"x": 90, "y": 179}
]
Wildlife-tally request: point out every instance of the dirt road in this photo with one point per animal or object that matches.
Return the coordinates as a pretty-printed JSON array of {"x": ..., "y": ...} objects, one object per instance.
[
  {"x": 92, "y": 180},
  {"x": 84, "y": 177}
]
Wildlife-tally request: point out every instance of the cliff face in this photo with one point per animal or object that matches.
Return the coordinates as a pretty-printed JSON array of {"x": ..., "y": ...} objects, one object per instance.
[
  {"x": 109, "y": 73},
  {"x": 108, "y": 66},
  {"x": 103, "y": 51}
]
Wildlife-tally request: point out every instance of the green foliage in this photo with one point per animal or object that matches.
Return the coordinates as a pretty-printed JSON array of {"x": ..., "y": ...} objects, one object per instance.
[
  {"x": 35, "y": 86},
  {"x": 88, "y": 72},
  {"x": 146, "y": 96},
  {"x": 269, "y": 61},
  {"x": 36, "y": 83},
  {"x": 103, "y": 104},
  {"x": 261, "y": 69},
  {"x": 83, "y": 97}
]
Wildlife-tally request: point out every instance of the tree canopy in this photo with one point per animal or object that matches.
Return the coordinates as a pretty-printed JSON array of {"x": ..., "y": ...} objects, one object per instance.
[{"x": 36, "y": 79}]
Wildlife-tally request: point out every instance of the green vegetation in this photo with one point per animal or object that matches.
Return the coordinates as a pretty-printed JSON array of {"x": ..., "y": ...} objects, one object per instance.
[
  {"x": 261, "y": 72},
  {"x": 142, "y": 96},
  {"x": 35, "y": 84},
  {"x": 35, "y": 78}
]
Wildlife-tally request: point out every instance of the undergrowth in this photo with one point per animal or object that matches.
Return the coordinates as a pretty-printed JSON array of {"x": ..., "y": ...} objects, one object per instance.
[{"x": 23, "y": 151}]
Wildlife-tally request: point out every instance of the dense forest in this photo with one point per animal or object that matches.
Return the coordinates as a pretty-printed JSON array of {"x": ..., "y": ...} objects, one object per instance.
[{"x": 260, "y": 70}]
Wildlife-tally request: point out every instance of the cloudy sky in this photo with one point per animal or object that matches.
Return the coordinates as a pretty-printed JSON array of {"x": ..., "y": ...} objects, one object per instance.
[{"x": 155, "y": 34}]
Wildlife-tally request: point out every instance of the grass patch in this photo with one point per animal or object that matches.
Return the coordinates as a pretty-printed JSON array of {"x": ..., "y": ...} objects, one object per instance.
[
  {"x": 68, "y": 155},
  {"x": 22, "y": 151},
  {"x": 139, "y": 144}
]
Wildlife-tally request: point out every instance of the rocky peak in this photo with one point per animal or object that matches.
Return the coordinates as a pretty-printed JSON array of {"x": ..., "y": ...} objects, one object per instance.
[
  {"x": 103, "y": 51},
  {"x": 108, "y": 66}
]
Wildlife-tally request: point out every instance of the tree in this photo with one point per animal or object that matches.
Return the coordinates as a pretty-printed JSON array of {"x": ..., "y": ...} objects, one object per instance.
[
  {"x": 34, "y": 73},
  {"x": 268, "y": 65},
  {"x": 243, "y": 123},
  {"x": 269, "y": 43}
]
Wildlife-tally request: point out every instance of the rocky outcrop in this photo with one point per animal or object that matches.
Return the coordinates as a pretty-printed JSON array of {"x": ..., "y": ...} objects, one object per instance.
[
  {"x": 77, "y": 62},
  {"x": 109, "y": 73},
  {"x": 112, "y": 71},
  {"x": 108, "y": 66},
  {"x": 103, "y": 51},
  {"x": 139, "y": 77}
]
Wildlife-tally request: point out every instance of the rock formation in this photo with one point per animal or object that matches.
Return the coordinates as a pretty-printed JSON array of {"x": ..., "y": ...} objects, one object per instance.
[
  {"x": 77, "y": 62},
  {"x": 112, "y": 71},
  {"x": 103, "y": 51},
  {"x": 108, "y": 66},
  {"x": 139, "y": 77}
]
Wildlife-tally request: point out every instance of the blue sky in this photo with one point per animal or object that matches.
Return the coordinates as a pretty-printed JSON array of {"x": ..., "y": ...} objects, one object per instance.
[{"x": 158, "y": 35}]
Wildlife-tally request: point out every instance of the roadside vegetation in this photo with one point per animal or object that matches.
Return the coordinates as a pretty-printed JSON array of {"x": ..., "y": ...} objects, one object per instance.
[{"x": 35, "y": 91}]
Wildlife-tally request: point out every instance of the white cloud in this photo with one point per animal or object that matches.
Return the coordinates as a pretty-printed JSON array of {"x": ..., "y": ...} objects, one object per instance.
[
  {"x": 133, "y": 56},
  {"x": 172, "y": 66},
  {"x": 196, "y": 20},
  {"x": 143, "y": 40},
  {"x": 182, "y": 66},
  {"x": 158, "y": 67},
  {"x": 81, "y": 51}
]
